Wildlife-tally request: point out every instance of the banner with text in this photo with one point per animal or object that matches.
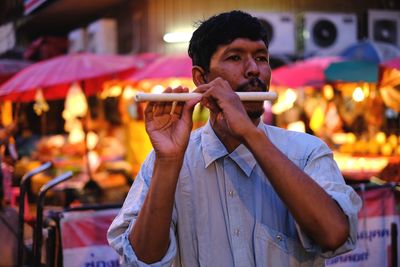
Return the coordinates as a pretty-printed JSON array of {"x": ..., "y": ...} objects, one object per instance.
[
  {"x": 374, "y": 231},
  {"x": 84, "y": 241}
]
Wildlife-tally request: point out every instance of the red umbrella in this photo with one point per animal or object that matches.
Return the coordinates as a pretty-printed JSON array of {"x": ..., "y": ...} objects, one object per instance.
[
  {"x": 308, "y": 72},
  {"x": 55, "y": 75}
]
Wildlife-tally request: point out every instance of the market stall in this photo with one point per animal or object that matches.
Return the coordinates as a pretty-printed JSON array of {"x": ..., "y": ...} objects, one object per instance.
[
  {"x": 77, "y": 78},
  {"x": 353, "y": 108}
]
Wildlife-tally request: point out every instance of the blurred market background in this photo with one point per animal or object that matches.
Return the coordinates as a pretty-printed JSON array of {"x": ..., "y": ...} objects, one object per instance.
[{"x": 72, "y": 137}]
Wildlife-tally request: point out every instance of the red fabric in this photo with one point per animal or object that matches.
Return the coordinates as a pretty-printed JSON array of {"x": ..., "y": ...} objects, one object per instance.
[
  {"x": 55, "y": 75},
  {"x": 86, "y": 228},
  {"x": 377, "y": 202},
  {"x": 309, "y": 72}
]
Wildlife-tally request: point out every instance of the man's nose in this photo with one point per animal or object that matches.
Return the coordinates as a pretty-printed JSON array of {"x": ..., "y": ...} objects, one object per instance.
[{"x": 251, "y": 68}]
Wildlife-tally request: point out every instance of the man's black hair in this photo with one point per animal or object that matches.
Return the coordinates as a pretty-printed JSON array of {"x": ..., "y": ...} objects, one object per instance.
[{"x": 223, "y": 29}]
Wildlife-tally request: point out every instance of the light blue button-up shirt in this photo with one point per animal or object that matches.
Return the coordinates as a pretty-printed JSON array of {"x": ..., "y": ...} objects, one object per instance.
[{"x": 226, "y": 212}]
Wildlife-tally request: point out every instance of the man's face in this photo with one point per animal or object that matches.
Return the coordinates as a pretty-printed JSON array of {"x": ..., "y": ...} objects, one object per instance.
[{"x": 244, "y": 65}]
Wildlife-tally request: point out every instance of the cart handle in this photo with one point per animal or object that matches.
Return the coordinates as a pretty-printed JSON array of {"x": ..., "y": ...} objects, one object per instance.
[
  {"x": 37, "y": 244},
  {"x": 21, "y": 205}
]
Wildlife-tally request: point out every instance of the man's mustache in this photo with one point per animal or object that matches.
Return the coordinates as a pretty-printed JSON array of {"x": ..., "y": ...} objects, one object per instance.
[{"x": 253, "y": 85}]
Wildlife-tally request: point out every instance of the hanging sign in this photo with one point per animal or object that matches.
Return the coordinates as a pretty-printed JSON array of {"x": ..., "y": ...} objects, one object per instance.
[{"x": 31, "y": 5}]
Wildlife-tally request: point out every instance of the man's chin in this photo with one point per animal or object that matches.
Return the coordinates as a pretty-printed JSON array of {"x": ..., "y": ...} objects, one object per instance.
[
  {"x": 254, "y": 109},
  {"x": 254, "y": 115}
]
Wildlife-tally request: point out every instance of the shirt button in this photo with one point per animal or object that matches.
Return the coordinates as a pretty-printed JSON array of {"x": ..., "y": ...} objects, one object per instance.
[
  {"x": 237, "y": 232},
  {"x": 231, "y": 193},
  {"x": 279, "y": 237}
]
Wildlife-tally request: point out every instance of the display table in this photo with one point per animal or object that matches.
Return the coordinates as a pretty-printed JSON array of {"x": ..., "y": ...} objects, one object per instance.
[{"x": 359, "y": 168}]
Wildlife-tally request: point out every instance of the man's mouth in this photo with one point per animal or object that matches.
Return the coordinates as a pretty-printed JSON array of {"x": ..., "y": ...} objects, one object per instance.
[{"x": 253, "y": 85}]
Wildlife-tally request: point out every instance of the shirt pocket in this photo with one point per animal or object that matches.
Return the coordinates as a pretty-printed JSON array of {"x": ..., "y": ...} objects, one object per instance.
[{"x": 273, "y": 248}]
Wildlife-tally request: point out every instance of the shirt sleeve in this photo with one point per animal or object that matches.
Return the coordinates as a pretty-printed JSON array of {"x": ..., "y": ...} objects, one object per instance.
[
  {"x": 118, "y": 233},
  {"x": 324, "y": 170}
]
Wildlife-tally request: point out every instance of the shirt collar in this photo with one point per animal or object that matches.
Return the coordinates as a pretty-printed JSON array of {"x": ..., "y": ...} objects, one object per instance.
[
  {"x": 244, "y": 159},
  {"x": 213, "y": 149}
]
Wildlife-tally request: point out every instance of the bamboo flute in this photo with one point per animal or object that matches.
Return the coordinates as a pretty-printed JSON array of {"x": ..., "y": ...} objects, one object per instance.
[{"x": 177, "y": 97}]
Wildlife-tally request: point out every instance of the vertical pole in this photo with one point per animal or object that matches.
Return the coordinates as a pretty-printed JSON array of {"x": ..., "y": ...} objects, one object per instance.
[
  {"x": 1, "y": 177},
  {"x": 393, "y": 236},
  {"x": 86, "y": 123}
]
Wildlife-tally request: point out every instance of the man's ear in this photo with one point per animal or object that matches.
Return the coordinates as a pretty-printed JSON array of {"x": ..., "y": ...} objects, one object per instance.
[{"x": 198, "y": 75}]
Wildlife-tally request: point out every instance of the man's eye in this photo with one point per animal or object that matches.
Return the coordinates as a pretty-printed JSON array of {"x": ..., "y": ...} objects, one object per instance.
[
  {"x": 262, "y": 59},
  {"x": 234, "y": 58}
]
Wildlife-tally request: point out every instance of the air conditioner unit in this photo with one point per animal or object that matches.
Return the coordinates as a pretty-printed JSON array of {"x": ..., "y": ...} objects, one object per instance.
[
  {"x": 102, "y": 37},
  {"x": 281, "y": 31},
  {"x": 384, "y": 26},
  {"x": 7, "y": 37},
  {"x": 328, "y": 33},
  {"x": 77, "y": 41}
]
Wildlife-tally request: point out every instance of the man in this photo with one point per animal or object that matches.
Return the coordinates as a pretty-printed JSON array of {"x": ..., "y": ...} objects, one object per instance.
[{"x": 236, "y": 192}]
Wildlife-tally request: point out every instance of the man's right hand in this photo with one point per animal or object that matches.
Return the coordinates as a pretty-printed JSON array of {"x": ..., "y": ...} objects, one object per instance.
[{"x": 169, "y": 125}]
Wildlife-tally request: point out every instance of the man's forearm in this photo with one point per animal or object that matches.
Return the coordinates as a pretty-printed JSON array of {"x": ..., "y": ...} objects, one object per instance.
[
  {"x": 315, "y": 211},
  {"x": 150, "y": 235}
]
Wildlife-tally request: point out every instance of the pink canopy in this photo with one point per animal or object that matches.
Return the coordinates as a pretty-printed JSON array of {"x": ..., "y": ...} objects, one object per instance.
[
  {"x": 144, "y": 60},
  {"x": 392, "y": 63},
  {"x": 308, "y": 72},
  {"x": 54, "y": 76},
  {"x": 172, "y": 66}
]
